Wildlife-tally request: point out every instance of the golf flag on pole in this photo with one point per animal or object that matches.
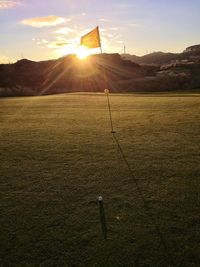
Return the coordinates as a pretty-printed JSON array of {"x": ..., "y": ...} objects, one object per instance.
[{"x": 91, "y": 39}]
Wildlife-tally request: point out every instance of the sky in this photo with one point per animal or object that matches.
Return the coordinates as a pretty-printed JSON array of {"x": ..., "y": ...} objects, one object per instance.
[{"x": 42, "y": 29}]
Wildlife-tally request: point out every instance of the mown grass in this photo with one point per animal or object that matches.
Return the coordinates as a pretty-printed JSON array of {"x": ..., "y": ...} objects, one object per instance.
[{"x": 58, "y": 156}]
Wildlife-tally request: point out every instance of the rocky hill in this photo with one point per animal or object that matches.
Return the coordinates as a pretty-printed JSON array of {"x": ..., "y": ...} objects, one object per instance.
[
  {"x": 67, "y": 74},
  {"x": 97, "y": 72}
]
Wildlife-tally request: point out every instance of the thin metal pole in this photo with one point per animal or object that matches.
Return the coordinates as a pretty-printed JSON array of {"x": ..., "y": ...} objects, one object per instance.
[
  {"x": 124, "y": 50},
  {"x": 106, "y": 91},
  {"x": 99, "y": 39}
]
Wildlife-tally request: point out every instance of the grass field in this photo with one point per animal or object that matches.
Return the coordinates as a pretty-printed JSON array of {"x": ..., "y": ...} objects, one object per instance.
[{"x": 57, "y": 156}]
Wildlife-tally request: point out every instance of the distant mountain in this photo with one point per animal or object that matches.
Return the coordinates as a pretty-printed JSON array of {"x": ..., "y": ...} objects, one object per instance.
[
  {"x": 154, "y": 58},
  {"x": 165, "y": 58}
]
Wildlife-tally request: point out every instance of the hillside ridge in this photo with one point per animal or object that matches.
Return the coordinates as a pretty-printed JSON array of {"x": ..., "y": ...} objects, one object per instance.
[{"x": 100, "y": 71}]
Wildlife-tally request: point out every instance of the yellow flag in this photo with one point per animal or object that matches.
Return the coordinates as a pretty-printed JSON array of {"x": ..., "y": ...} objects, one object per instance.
[{"x": 91, "y": 39}]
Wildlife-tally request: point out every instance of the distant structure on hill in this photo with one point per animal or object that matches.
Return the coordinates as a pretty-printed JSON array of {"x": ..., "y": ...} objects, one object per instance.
[{"x": 193, "y": 48}]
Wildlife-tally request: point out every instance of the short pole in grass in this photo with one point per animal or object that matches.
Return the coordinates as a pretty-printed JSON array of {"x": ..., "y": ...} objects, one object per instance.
[
  {"x": 106, "y": 91},
  {"x": 102, "y": 217}
]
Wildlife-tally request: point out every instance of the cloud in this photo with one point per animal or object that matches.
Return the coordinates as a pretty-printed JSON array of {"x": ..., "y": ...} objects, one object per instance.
[
  {"x": 57, "y": 44},
  {"x": 64, "y": 30},
  {"x": 104, "y": 20},
  {"x": 4, "y": 59},
  {"x": 8, "y": 4},
  {"x": 108, "y": 29},
  {"x": 40, "y": 41},
  {"x": 45, "y": 41},
  {"x": 44, "y": 21},
  {"x": 109, "y": 35}
]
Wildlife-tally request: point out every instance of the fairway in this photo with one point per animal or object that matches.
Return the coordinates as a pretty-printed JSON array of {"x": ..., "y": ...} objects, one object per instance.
[{"x": 57, "y": 155}]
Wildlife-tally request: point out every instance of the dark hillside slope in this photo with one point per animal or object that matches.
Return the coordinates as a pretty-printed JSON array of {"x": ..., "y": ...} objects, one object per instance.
[
  {"x": 67, "y": 74},
  {"x": 94, "y": 74}
]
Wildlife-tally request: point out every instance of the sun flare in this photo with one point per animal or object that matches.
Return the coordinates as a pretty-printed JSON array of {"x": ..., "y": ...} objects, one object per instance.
[{"x": 82, "y": 52}]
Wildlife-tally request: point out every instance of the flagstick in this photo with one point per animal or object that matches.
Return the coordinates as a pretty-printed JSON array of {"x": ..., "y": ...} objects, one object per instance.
[
  {"x": 106, "y": 91},
  {"x": 99, "y": 39}
]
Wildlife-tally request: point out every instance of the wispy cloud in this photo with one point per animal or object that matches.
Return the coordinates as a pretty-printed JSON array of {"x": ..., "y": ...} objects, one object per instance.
[
  {"x": 44, "y": 21},
  {"x": 120, "y": 42},
  {"x": 111, "y": 29},
  {"x": 57, "y": 44},
  {"x": 64, "y": 30},
  {"x": 8, "y": 4},
  {"x": 109, "y": 35},
  {"x": 4, "y": 59},
  {"x": 40, "y": 41},
  {"x": 104, "y": 20}
]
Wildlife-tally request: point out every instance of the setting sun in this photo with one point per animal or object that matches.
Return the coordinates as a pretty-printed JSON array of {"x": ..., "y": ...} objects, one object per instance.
[{"x": 82, "y": 52}]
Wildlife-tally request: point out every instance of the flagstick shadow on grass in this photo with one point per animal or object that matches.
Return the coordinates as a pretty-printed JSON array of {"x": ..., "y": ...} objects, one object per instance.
[
  {"x": 106, "y": 91},
  {"x": 145, "y": 204}
]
